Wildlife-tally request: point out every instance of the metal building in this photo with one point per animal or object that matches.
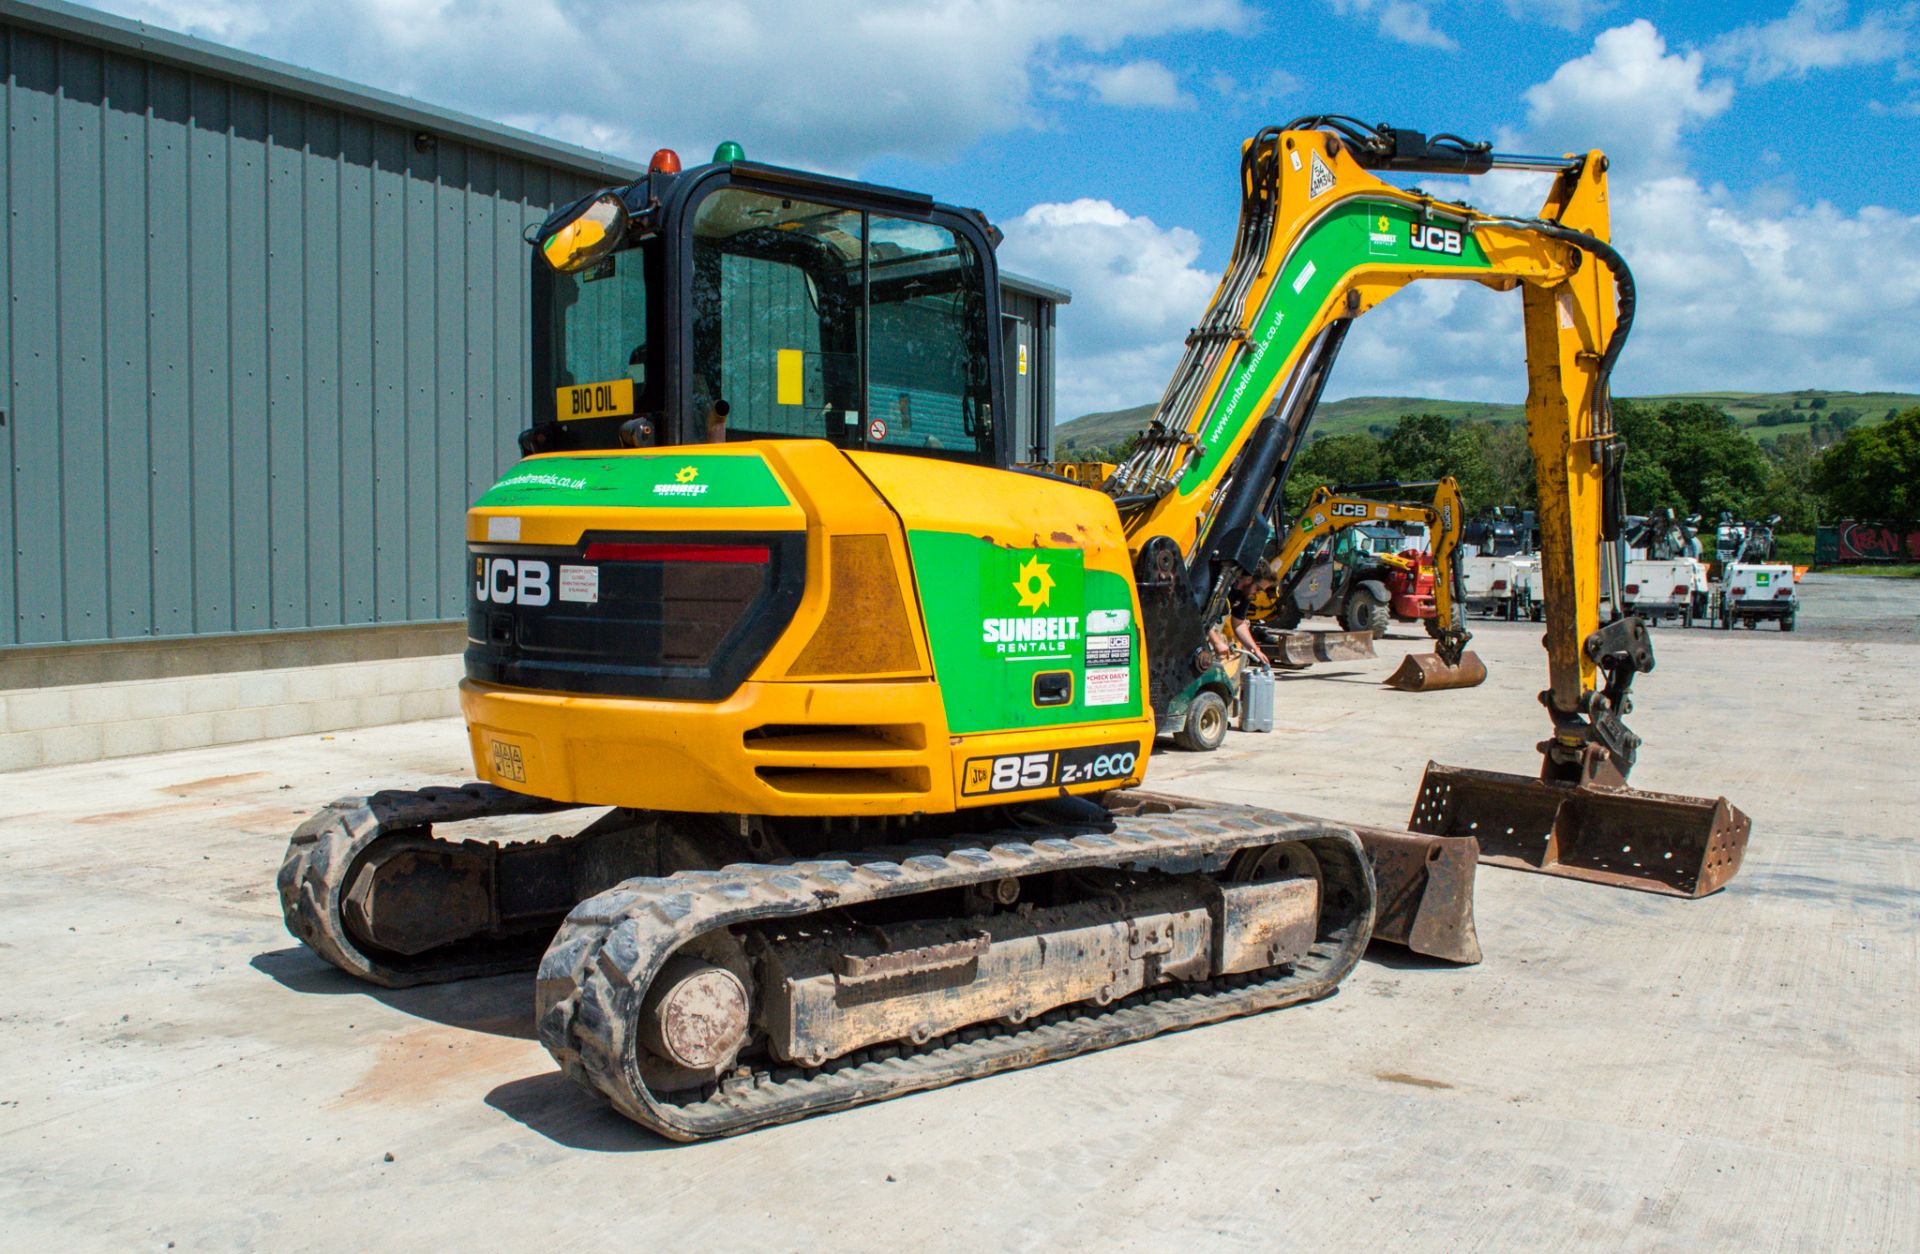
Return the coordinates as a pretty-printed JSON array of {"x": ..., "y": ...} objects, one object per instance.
[
  {"x": 1026, "y": 314},
  {"x": 265, "y": 335}
]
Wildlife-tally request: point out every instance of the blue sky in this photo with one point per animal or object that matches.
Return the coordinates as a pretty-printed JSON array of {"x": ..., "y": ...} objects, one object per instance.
[{"x": 1761, "y": 152}]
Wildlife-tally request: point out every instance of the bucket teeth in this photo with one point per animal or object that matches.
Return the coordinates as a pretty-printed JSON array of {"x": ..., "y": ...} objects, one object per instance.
[{"x": 1605, "y": 834}]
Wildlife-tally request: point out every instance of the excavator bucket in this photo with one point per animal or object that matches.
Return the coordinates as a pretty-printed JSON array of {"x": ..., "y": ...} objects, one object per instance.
[
  {"x": 1304, "y": 648},
  {"x": 1603, "y": 833},
  {"x": 1423, "y": 887},
  {"x": 1427, "y": 672}
]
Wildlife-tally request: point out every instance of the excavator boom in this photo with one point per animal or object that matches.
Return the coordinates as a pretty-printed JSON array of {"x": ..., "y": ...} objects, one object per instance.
[{"x": 1323, "y": 239}]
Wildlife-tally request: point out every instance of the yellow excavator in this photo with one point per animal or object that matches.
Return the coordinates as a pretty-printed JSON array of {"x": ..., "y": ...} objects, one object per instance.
[
  {"x": 860, "y": 708},
  {"x": 1330, "y": 510}
]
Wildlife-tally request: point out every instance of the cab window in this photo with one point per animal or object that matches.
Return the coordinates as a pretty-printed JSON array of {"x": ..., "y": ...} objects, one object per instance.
[{"x": 817, "y": 321}]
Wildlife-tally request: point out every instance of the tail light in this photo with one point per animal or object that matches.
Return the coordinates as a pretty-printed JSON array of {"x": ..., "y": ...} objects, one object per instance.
[
  {"x": 1783, "y": 592},
  {"x": 1681, "y": 589},
  {"x": 731, "y": 554},
  {"x": 1633, "y": 589},
  {"x": 1499, "y": 585}
]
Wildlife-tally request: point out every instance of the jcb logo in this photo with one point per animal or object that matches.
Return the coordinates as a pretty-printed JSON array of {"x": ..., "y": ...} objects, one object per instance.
[
  {"x": 510, "y": 581},
  {"x": 1349, "y": 511},
  {"x": 1434, "y": 239}
]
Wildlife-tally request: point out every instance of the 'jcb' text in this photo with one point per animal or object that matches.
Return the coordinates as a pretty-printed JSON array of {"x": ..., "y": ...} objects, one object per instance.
[
  {"x": 505, "y": 581},
  {"x": 1434, "y": 239}
]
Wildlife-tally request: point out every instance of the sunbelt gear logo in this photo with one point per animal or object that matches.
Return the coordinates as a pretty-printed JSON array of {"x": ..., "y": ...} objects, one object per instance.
[
  {"x": 1031, "y": 602},
  {"x": 683, "y": 484}
]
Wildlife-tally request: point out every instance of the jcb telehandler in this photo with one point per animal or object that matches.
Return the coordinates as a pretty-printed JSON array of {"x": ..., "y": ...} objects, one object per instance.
[
  {"x": 868, "y": 704},
  {"x": 1329, "y": 512}
]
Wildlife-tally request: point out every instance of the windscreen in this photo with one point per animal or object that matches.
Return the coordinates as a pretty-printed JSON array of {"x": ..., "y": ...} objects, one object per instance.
[{"x": 816, "y": 321}]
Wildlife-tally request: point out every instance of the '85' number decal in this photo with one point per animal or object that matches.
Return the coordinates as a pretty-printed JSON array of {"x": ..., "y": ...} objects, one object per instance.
[{"x": 1019, "y": 772}]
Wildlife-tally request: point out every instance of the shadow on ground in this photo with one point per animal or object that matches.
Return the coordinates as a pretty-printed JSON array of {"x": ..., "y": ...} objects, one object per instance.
[
  {"x": 1398, "y": 958},
  {"x": 500, "y": 1005},
  {"x": 566, "y": 1114}
]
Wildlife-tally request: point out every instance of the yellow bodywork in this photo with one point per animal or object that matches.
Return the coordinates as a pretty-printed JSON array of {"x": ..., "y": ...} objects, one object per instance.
[{"x": 854, "y": 661}]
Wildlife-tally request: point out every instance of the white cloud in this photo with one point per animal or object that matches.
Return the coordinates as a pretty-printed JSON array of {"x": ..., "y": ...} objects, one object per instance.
[
  {"x": 1404, "y": 21},
  {"x": 813, "y": 82},
  {"x": 1566, "y": 14},
  {"x": 1136, "y": 291},
  {"x": 1628, "y": 95},
  {"x": 1908, "y": 108},
  {"x": 1762, "y": 291},
  {"x": 1735, "y": 296},
  {"x": 1276, "y": 84},
  {"x": 1412, "y": 23},
  {"x": 1143, "y": 84},
  {"x": 1814, "y": 36}
]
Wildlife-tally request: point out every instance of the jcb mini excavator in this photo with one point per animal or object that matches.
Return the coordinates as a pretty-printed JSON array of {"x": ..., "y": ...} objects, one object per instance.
[
  {"x": 1330, "y": 510},
  {"x": 868, "y": 704}
]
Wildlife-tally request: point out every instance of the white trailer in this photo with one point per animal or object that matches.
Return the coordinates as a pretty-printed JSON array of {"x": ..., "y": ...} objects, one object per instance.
[
  {"x": 1661, "y": 588},
  {"x": 1752, "y": 591},
  {"x": 1499, "y": 586}
]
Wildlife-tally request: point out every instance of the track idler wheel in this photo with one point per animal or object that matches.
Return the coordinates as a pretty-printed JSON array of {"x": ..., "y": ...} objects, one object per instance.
[{"x": 694, "y": 1020}]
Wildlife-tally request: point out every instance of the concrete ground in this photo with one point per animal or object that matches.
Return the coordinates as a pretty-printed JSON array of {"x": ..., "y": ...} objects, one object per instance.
[{"x": 1626, "y": 1069}]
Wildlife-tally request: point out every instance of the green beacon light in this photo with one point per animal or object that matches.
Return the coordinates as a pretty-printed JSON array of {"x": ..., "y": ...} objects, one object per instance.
[{"x": 729, "y": 151}]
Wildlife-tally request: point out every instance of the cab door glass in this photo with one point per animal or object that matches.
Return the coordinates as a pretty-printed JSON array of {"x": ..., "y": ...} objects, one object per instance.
[
  {"x": 778, "y": 301},
  {"x": 600, "y": 322},
  {"x": 928, "y": 381}
]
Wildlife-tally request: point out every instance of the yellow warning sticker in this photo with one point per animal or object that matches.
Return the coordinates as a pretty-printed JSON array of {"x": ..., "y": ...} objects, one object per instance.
[
  {"x": 788, "y": 388},
  {"x": 594, "y": 400},
  {"x": 508, "y": 761}
]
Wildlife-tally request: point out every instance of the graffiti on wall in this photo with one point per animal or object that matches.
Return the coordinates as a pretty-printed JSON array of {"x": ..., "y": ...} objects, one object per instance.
[{"x": 1867, "y": 542}]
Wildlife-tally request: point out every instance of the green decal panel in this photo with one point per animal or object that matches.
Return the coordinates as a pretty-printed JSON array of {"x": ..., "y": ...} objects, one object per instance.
[
  {"x": 1352, "y": 236},
  {"x": 692, "y": 481},
  {"x": 997, "y": 617}
]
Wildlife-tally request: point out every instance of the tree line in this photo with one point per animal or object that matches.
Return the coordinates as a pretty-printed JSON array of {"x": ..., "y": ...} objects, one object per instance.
[{"x": 1684, "y": 455}]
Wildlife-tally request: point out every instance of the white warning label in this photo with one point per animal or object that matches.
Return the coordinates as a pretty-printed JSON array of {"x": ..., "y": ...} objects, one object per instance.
[
  {"x": 580, "y": 583},
  {"x": 1109, "y": 650},
  {"x": 1108, "y": 685},
  {"x": 1321, "y": 180}
]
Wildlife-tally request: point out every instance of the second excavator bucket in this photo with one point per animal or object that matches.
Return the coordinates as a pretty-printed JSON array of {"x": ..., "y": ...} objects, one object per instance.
[
  {"x": 1603, "y": 833},
  {"x": 1428, "y": 672},
  {"x": 1423, "y": 891}
]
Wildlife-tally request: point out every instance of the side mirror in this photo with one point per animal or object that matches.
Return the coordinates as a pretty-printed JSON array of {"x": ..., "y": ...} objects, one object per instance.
[{"x": 591, "y": 232}]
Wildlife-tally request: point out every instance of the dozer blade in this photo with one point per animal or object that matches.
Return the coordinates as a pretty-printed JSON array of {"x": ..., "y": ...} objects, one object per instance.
[
  {"x": 1304, "y": 648},
  {"x": 1426, "y": 672},
  {"x": 1423, "y": 889},
  {"x": 1606, "y": 834}
]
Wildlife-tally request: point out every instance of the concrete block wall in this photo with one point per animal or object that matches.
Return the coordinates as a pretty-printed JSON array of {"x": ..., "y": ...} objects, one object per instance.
[{"x": 112, "y": 717}]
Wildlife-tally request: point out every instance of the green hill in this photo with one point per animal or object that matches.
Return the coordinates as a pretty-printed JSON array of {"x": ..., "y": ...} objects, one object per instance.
[{"x": 1359, "y": 413}]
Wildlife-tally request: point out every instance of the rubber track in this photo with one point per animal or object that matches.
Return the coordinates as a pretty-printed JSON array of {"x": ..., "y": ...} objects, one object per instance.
[
  {"x": 596, "y": 971},
  {"x": 323, "y": 850}
]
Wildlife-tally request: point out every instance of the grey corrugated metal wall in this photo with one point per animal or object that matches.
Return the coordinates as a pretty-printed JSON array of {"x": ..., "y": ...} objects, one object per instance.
[{"x": 259, "y": 352}]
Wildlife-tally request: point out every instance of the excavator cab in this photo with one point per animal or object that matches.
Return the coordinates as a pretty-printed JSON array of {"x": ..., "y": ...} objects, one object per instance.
[{"x": 738, "y": 301}]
